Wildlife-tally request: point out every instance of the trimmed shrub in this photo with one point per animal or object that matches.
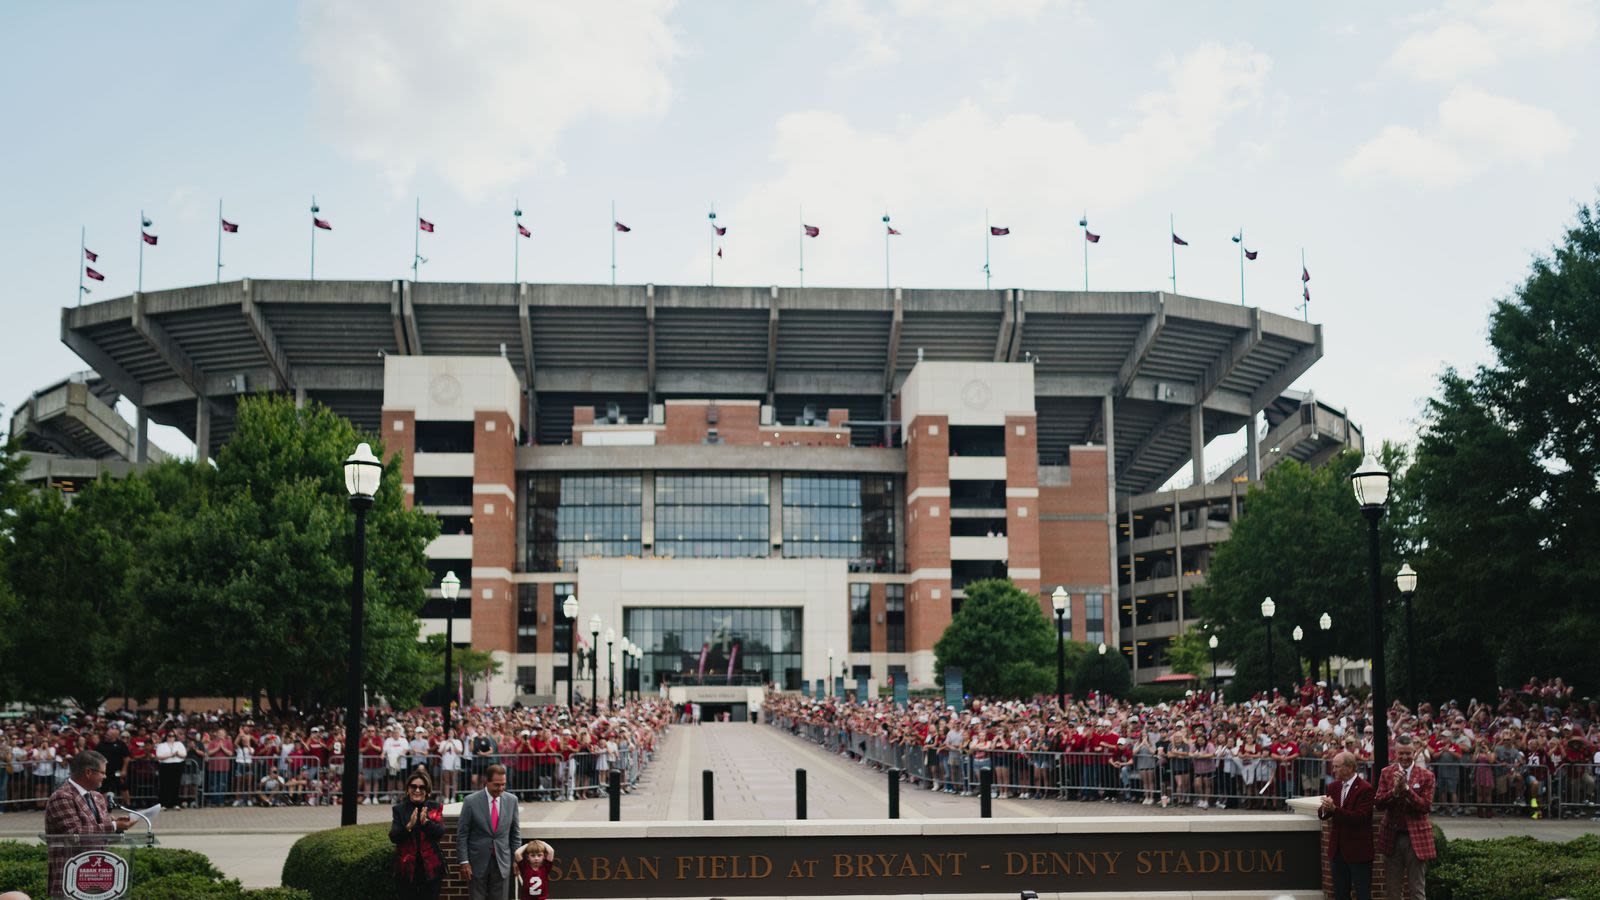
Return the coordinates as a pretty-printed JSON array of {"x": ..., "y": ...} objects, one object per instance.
[
  {"x": 26, "y": 876},
  {"x": 354, "y": 863},
  {"x": 277, "y": 893},
  {"x": 184, "y": 886},
  {"x": 16, "y": 851},
  {"x": 159, "y": 873},
  {"x": 152, "y": 863},
  {"x": 1517, "y": 868}
]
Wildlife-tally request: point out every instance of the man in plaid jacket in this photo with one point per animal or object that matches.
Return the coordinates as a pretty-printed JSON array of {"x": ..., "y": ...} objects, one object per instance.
[
  {"x": 78, "y": 807},
  {"x": 1405, "y": 794}
]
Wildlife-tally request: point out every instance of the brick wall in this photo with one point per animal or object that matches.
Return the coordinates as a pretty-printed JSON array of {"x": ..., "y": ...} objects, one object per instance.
[
  {"x": 1074, "y": 549},
  {"x": 1022, "y": 503},
  {"x": 1380, "y": 890},
  {"x": 399, "y": 433},
  {"x": 494, "y": 532},
  {"x": 928, "y": 531}
]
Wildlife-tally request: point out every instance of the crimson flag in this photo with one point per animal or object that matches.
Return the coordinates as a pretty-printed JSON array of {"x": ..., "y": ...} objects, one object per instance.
[
  {"x": 891, "y": 229},
  {"x": 1306, "y": 289},
  {"x": 1305, "y": 274},
  {"x": 230, "y": 227},
  {"x": 90, "y": 255},
  {"x": 811, "y": 230},
  {"x": 1250, "y": 254},
  {"x": 1179, "y": 241},
  {"x": 1090, "y": 236},
  {"x": 720, "y": 229},
  {"x": 719, "y": 253},
  {"x": 997, "y": 231},
  {"x": 425, "y": 225},
  {"x": 621, "y": 227},
  {"x": 523, "y": 231},
  {"x": 321, "y": 223},
  {"x": 148, "y": 238},
  {"x": 93, "y": 274}
]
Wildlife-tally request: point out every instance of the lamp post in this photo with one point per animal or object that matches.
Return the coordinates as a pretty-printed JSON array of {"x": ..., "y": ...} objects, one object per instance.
[
  {"x": 1298, "y": 634},
  {"x": 1102, "y": 685},
  {"x": 611, "y": 680},
  {"x": 594, "y": 665},
  {"x": 1268, "y": 609},
  {"x": 1371, "y": 485},
  {"x": 1215, "y": 684},
  {"x": 450, "y": 589},
  {"x": 638, "y": 671},
  {"x": 625, "y": 653},
  {"x": 1326, "y": 623},
  {"x": 828, "y": 674},
  {"x": 1059, "y": 599},
  {"x": 362, "y": 473},
  {"x": 1406, "y": 581},
  {"x": 569, "y": 609}
]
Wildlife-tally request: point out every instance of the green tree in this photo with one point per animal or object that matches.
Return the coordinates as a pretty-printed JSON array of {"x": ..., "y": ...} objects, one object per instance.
[
  {"x": 1001, "y": 640},
  {"x": 1190, "y": 654},
  {"x": 1104, "y": 672}
]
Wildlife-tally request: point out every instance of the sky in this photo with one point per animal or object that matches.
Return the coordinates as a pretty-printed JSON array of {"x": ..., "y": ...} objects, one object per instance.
[{"x": 1419, "y": 155}]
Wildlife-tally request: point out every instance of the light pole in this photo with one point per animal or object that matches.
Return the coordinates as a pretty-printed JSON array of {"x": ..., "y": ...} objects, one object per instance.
[
  {"x": 1059, "y": 599},
  {"x": 1371, "y": 485},
  {"x": 594, "y": 665},
  {"x": 611, "y": 671},
  {"x": 450, "y": 589},
  {"x": 828, "y": 675},
  {"x": 1406, "y": 581},
  {"x": 1268, "y": 608},
  {"x": 1102, "y": 679},
  {"x": 362, "y": 473},
  {"x": 1215, "y": 684},
  {"x": 1326, "y": 623},
  {"x": 638, "y": 672},
  {"x": 569, "y": 608},
  {"x": 1297, "y": 634}
]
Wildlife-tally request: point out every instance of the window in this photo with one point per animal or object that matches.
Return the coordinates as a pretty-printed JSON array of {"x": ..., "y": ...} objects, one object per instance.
[
  {"x": 527, "y": 618},
  {"x": 444, "y": 437},
  {"x": 840, "y": 517},
  {"x": 894, "y": 613},
  {"x": 571, "y": 517},
  {"x": 1094, "y": 619},
  {"x": 438, "y": 490},
  {"x": 527, "y": 680},
  {"x": 860, "y": 618},
  {"x": 561, "y": 629},
  {"x": 717, "y": 646},
  {"x": 455, "y": 525},
  {"x": 714, "y": 515},
  {"x": 977, "y": 440}
]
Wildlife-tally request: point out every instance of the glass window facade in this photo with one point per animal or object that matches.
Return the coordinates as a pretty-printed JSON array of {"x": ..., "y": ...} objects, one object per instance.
[
  {"x": 712, "y": 515},
  {"x": 860, "y": 618},
  {"x": 717, "y": 646},
  {"x": 575, "y": 516},
  {"x": 1094, "y": 619},
  {"x": 527, "y": 618},
  {"x": 894, "y": 615},
  {"x": 840, "y": 517}
]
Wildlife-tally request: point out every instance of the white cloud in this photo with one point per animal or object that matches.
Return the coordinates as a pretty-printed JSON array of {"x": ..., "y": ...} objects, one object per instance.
[
  {"x": 1458, "y": 40},
  {"x": 1474, "y": 131},
  {"x": 880, "y": 28},
  {"x": 480, "y": 91}
]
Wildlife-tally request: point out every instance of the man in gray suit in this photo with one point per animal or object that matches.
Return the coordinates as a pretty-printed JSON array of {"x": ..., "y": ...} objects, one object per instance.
[{"x": 486, "y": 837}]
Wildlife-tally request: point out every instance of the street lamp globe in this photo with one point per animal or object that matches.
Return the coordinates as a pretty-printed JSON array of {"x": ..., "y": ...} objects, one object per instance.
[
  {"x": 1371, "y": 484},
  {"x": 1326, "y": 622},
  {"x": 594, "y": 624},
  {"x": 569, "y": 607},
  {"x": 1268, "y": 608},
  {"x": 450, "y": 586},
  {"x": 1298, "y": 633},
  {"x": 1213, "y": 642},
  {"x": 1406, "y": 579},
  {"x": 1102, "y": 648},
  {"x": 362, "y": 472},
  {"x": 1058, "y": 599},
  {"x": 611, "y": 635}
]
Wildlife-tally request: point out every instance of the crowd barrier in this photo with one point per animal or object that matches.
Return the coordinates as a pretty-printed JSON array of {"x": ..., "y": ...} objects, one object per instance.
[
  {"x": 308, "y": 780},
  {"x": 1204, "y": 781}
]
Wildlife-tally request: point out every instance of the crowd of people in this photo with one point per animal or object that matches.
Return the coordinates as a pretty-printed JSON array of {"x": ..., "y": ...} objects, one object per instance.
[
  {"x": 1530, "y": 751},
  {"x": 218, "y": 758}
]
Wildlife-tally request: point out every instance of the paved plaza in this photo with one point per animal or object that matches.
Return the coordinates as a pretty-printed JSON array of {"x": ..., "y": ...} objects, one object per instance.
[{"x": 754, "y": 768}]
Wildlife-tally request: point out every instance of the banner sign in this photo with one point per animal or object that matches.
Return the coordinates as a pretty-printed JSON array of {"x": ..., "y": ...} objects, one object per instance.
[{"x": 953, "y": 692}]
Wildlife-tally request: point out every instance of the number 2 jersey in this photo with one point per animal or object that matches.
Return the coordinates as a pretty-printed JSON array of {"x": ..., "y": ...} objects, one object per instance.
[{"x": 532, "y": 882}]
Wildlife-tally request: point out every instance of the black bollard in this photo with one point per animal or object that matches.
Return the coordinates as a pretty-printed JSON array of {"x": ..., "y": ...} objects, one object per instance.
[
  {"x": 614, "y": 789},
  {"x": 985, "y": 790},
  {"x": 894, "y": 793},
  {"x": 706, "y": 799},
  {"x": 799, "y": 793}
]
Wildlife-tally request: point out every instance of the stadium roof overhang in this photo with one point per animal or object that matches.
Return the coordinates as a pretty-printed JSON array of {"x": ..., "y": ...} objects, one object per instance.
[{"x": 1157, "y": 355}]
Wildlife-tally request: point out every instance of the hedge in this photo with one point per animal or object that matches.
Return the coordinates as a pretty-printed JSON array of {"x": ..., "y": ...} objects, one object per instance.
[
  {"x": 353, "y": 863},
  {"x": 1517, "y": 868},
  {"x": 159, "y": 873}
]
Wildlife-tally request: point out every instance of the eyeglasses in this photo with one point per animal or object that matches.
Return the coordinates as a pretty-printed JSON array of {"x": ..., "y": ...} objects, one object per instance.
[{"x": 417, "y": 787}]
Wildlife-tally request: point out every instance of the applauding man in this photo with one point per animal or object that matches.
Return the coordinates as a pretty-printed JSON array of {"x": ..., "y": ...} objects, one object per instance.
[{"x": 1405, "y": 794}]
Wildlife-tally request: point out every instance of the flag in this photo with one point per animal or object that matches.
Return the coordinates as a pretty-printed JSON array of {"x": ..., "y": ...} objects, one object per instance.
[
  {"x": 148, "y": 238},
  {"x": 705, "y": 648},
  {"x": 733, "y": 657},
  {"x": 891, "y": 229},
  {"x": 811, "y": 230},
  {"x": 1179, "y": 241},
  {"x": 622, "y": 228},
  {"x": 720, "y": 229},
  {"x": 230, "y": 227},
  {"x": 93, "y": 274},
  {"x": 523, "y": 231},
  {"x": 1090, "y": 236},
  {"x": 425, "y": 225},
  {"x": 321, "y": 223},
  {"x": 1306, "y": 290},
  {"x": 997, "y": 231},
  {"x": 1305, "y": 274},
  {"x": 1250, "y": 254},
  {"x": 719, "y": 253},
  {"x": 90, "y": 255}
]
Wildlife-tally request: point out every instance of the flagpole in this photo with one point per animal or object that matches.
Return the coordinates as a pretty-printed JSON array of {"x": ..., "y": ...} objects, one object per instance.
[
  {"x": 1083, "y": 222},
  {"x": 613, "y": 243},
  {"x": 1172, "y": 241},
  {"x": 314, "y": 210},
  {"x": 802, "y": 246},
  {"x": 713, "y": 217},
  {"x": 516, "y": 245},
  {"x": 986, "y": 234},
  {"x": 141, "y": 250},
  {"x": 219, "y": 240},
  {"x": 83, "y": 245},
  {"x": 888, "y": 284},
  {"x": 1305, "y": 305},
  {"x": 1241, "y": 265},
  {"x": 416, "y": 241}
]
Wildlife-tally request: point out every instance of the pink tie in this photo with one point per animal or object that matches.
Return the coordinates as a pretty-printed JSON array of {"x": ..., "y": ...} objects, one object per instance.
[{"x": 494, "y": 814}]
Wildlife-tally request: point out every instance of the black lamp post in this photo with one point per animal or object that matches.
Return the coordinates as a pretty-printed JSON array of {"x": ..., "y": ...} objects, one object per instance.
[
  {"x": 1298, "y": 634},
  {"x": 450, "y": 589},
  {"x": 1268, "y": 609},
  {"x": 1102, "y": 679},
  {"x": 1326, "y": 623},
  {"x": 1406, "y": 581},
  {"x": 638, "y": 672},
  {"x": 594, "y": 665},
  {"x": 828, "y": 674},
  {"x": 611, "y": 677},
  {"x": 362, "y": 473},
  {"x": 1371, "y": 485},
  {"x": 1060, "y": 599},
  {"x": 569, "y": 609},
  {"x": 1215, "y": 684}
]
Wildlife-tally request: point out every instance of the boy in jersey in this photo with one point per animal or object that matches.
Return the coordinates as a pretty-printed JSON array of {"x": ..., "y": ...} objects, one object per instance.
[{"x": 533, "y": 870}]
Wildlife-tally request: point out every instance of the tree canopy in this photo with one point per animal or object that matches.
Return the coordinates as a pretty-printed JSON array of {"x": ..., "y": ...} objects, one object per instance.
[{"x": 1001, "y": 640}]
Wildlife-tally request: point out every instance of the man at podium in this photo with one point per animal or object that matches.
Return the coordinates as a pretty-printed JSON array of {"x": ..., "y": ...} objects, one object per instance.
[{"x": 78, "y": 807}]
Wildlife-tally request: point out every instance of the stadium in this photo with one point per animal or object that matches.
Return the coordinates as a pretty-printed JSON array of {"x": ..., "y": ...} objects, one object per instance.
[{"x": 776, "y": 485}]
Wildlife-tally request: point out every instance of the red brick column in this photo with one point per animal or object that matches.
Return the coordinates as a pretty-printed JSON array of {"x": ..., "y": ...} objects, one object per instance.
[
  {"x": 494, "y": 533},
  {"x": 927, "y": 531},
  {"x": 399, "y": 434}
]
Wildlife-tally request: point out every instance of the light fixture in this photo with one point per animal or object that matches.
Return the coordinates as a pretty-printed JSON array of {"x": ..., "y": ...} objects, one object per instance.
[
  {"x": 362, "y": 471},
  {"x": 1298, "y": 633},
  {"x": 1406, "y": 579},
  {"x": 1058, "y": 599},
  {"x": 450, "y": 586},
  {"x": 569, "y": 607},
  {"x": 1326, "y": 621},
  {"x": 1102, "y": 648},
  {"x": 1268, "y": 608},
  {"x": 1371, "y": 484},
  {"x": 1213, "y": 642}
]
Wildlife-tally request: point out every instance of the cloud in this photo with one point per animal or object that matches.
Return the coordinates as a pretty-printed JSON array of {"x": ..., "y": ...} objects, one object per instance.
[
  {"x": 1474, "y": 131},
  {"x": 881, "y": 28},
  {"x": 1456, "y": 41},
  {"x": 479, "y": 92}
]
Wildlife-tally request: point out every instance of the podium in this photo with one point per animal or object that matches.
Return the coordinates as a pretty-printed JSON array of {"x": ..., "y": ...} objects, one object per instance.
[{"x": 93, "y": 866}]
